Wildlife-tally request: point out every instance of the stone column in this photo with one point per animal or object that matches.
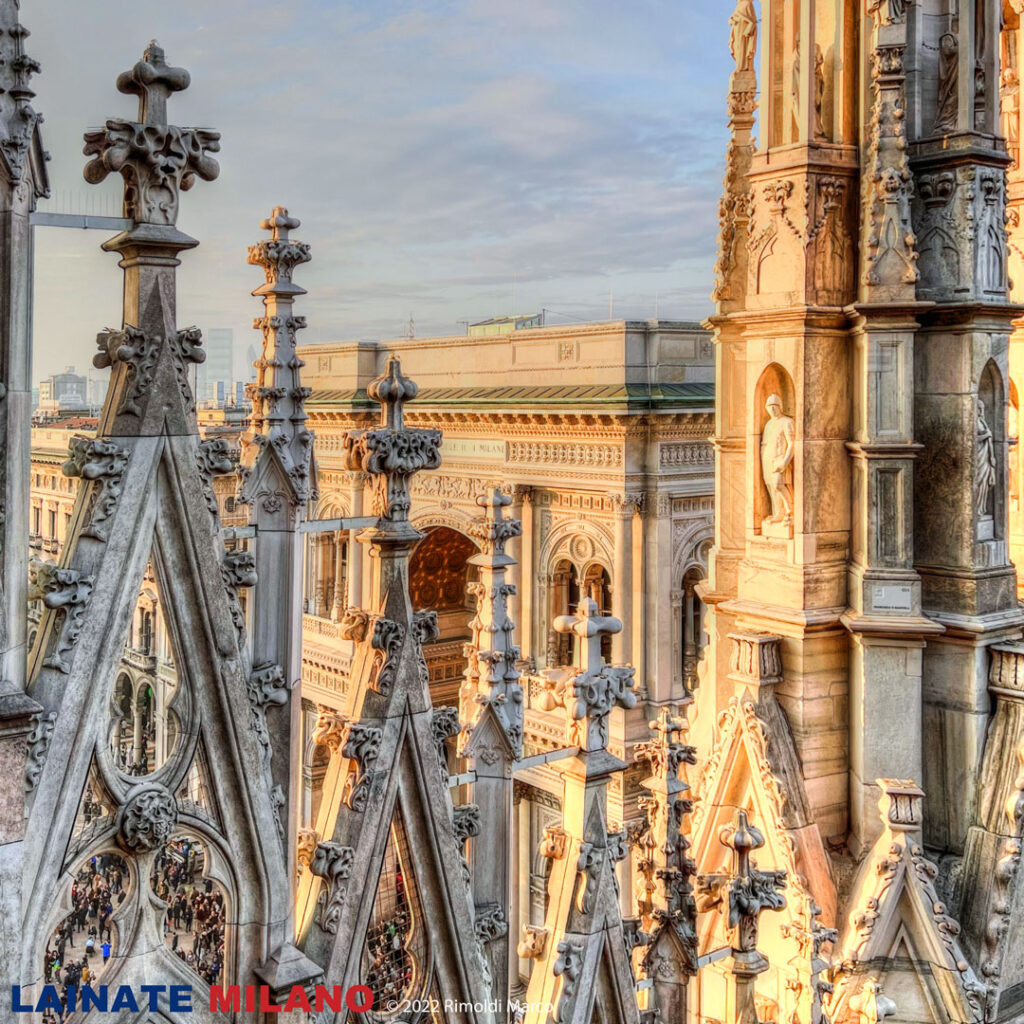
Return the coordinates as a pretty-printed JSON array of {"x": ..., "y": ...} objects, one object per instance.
[
  {"x": 622, "y": 577},
  {"x": 338, "y": 604},
  {"x": 22, "y": 180},
  {"x": 355, "y": 550},
  {"x": 137, "y": 738},
  {"x": 521, "y": 882},
  {"x": 319, "y": 581},
  {"x": 527, "y": 576}
]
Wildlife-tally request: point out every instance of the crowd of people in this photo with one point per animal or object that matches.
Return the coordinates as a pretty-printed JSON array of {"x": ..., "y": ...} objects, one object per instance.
[
  {"x": 193, "y": 926},
  {"x": 389, "y": 974},
  {"x": 79, "y": 949},
  {"x": 194, "y": 921}
]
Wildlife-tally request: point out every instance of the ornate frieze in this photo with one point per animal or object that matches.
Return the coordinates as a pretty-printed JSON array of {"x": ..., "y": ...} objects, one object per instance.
[
  {"x": 93, "y": 459},
  {"x": 555, "y": 453},
  {"x": 686, "y": 453}
]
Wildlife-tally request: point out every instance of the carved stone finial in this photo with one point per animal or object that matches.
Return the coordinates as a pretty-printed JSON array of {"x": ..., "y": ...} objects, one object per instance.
[
  {"x": 278, "y": 423},
  {"x": 493, "y": 530},
  {"x": 590, "y": 626},
  {"x": 749, "y": 891},
  {"x": 491, "y": 678},
  {"x": 18, "y": 120},
  {"x": 157, "y": 160},
  {"x": 393, "y": 454},
  {"x": 392, "y": 390},
  {"x": 590, "y": 690},
  {"x": 153, "y": 81}
]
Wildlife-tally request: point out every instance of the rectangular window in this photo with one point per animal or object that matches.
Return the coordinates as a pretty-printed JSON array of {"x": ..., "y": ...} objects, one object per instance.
[{"x": 53, "y": 523}]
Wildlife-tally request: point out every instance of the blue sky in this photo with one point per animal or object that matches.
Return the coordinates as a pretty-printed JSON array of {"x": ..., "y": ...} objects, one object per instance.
[{"x": 443, "y": 156}]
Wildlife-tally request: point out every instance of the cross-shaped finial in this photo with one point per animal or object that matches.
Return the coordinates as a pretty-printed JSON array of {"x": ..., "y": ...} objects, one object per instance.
[
  {"x": 392, "y": 391},
  {"x": 279, "y": 224},
  {"x": 153, "y": 81},
  {"x": 589, "y": 626},
  {"x": 493, "y": 502},
  {"x": 668, "y": 727}
]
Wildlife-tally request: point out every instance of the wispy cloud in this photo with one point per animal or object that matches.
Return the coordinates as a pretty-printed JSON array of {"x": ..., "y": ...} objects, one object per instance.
[{"x": 436, "y": 151}]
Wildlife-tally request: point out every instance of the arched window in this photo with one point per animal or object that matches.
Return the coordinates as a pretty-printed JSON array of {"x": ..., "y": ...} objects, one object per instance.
[
  {"x": 597, "y": 585},
  {"x": 565, "y": 595},
  {"x": 694, "y": 637}
]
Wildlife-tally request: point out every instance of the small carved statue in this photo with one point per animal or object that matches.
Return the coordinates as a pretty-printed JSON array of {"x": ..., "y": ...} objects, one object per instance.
[
  {"x": 819, "y": 91},
  {"x": 777, "y": 443},
  {"x": 743, "y": 35},
  {"x": 1009, "y": 113},
  {"x": 888, "y": 12},
  {"x": 984, "y": 462},
  {"x": 947, "y": 105}
]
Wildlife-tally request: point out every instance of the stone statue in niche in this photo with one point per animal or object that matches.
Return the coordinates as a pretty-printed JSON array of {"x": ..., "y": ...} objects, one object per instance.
[
  {"x": 888, "y": 12},
  {"x": 743, "y": 35},
  {"x": 1013, "y": 434},
  {"x": 777, "y": 443},
  {"x": 794, "y": 88},
  {"x": 1009, "y": 113},
  {"x": 984, "y": 463},
  {"x": 819, "y": 91},
  {"x": 949, "y": 82}
]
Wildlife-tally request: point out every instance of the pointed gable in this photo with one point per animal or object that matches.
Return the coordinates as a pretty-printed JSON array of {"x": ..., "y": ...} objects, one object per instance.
[
  {"x": 899, "y": 934},
  {"x": 143, "y": 501},
  {"x": 385, "y": 899},
  {"x": 583, "y": 966}
]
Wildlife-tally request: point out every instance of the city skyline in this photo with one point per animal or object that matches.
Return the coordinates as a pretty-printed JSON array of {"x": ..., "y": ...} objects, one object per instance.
[{"x": 438, "y": 175}]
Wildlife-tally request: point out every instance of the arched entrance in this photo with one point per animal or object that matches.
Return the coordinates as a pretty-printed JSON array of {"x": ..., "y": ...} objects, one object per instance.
[{"x": 439, "y": 573}]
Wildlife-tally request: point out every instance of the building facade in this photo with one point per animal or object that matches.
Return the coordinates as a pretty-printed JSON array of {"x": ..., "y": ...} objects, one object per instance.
[
  {"x": 599, "y": 433},
  {"x": 859, "y": 707}
]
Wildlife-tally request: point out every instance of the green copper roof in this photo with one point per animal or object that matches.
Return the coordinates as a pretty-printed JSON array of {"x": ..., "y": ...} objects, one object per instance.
[{"x": 614, "y": 397}]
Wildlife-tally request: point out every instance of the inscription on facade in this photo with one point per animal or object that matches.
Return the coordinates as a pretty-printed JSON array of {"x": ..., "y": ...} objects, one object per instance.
[{"x": 892, "y": 599}]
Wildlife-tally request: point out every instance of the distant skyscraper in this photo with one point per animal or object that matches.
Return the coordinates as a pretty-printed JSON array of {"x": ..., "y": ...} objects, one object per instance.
[{"x": 214, "y": 376}]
